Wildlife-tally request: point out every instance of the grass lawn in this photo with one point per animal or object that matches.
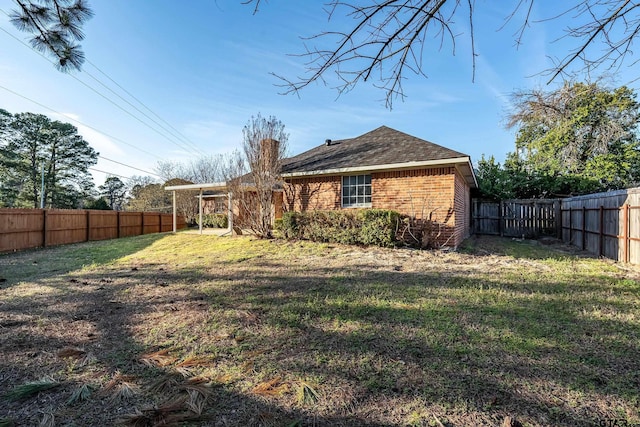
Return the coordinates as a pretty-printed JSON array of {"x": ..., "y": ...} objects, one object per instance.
[{"x": 207, "y": 331}]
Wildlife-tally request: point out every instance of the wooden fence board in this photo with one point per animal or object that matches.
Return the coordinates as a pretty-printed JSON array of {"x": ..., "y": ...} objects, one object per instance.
[
  {"x": 104, "y": 225},
  {"x": 130, "y": 224},
  {"x": 65, "y": 226},
  {"x": 516, "y": 218},
  {"x": 611, "y": 223},
  {"x": 21, "y": 228},
  {"x": 31, "y": 228},
  {"x": 151, "y": 223}
]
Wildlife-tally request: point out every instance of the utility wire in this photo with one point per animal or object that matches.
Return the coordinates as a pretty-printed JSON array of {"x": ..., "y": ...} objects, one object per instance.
[
  {"x": 129, "y": 166},
  {"x": 178, "y": 144},
  {"x": 187, "y": 144},
  {"x": 110, "y": 173},
  {"x": 184, "y": 138},
  {"x": 79, "y": 122}
]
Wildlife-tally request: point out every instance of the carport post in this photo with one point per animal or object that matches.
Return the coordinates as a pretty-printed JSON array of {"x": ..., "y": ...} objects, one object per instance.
[
  {"x": 175, "y": 219},
  {"x": 200, "y": 211},
  {"x": 230, "y": 215}
]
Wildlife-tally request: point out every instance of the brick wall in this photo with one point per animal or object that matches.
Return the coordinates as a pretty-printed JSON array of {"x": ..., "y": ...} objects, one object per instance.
[
  {"x": 439, "y": 194},
  {"x": 316, "y": 193},
  {"x": 462, "y": 209},
  {"x": 421, "y": 193}
]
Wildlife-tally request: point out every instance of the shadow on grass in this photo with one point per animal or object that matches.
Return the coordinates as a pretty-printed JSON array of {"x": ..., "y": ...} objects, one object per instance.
[
  {"x": 60, "y": 260},
  {"x": 383, "y": 348},
  {"x": 483, "y": 245}
]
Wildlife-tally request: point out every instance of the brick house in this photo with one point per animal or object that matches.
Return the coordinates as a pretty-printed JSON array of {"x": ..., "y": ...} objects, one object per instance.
[
  {"x": 385, "y": 169},
  {"x": 382, "y": 169}
]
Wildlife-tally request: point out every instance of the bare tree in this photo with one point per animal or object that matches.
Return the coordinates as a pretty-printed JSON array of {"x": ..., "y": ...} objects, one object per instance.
[
  {"x": 388, "y": 40},
  {"x": 201, "y": 170},
  {"x": 263, "y": 148}
]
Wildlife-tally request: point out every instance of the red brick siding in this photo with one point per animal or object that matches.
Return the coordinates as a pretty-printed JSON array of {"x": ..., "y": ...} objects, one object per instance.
[
  {"x": 462, "y": 209},
  {"x": 423, "y": 193},
  {"x": 314, "y": 193},
  {"x": 420, "y": 193}
]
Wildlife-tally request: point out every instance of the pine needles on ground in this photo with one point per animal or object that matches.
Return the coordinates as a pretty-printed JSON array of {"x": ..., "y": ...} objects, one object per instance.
[
  {"x": 306, "y": 395},
  {"x": 80, "y": 394},
  {"x": 30, "y": 389}
]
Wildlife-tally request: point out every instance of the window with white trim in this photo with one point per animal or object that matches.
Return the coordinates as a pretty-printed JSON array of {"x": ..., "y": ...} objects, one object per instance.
[{"x": 356, "y": 191}]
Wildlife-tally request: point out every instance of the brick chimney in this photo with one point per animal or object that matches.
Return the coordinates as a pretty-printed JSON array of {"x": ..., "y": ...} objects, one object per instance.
[{"x": 270, "y": 151}]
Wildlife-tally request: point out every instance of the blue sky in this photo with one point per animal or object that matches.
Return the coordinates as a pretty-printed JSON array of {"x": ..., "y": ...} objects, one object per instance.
[{"x": 205, "y": 69}]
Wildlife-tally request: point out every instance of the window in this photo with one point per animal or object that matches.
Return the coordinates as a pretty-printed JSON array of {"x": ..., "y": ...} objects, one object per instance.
[
  {"x": 219, "y": 205},
  {"x": 356, "y": 191}
]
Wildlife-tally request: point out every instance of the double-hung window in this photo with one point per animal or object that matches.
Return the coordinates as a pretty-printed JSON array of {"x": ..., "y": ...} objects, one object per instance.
[{"x": 356, "y": 191}]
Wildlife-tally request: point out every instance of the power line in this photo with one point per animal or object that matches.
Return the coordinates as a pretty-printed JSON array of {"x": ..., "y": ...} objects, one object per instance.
[
  {"x": 79, "y": 122},
  {"x": 129, "y": 166},
  {"x": 177, "y": 143},
  {"x": 191, "y": 145},
  {"x": 177, "y": 132},
  {"x": 110, "y": 173}
]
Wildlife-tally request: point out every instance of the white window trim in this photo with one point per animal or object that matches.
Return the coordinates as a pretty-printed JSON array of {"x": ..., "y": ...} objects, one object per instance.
[{"x": 357, "y": 205}]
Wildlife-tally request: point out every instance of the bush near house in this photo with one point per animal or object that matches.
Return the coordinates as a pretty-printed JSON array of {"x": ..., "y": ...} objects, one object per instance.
[
  {"x": 367, "y": 227},
  {"x": 215, "y": 221}
]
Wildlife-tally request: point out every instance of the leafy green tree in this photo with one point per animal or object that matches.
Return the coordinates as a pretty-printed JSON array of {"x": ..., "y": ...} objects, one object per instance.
[
  {"x": 494, "y": 181},
  {"x": 114, "y": 191},
  {"x": 33, "y": 145},
  {"x": 97, "y": 204},
  {"x": 149, "y": 197},
  {"x": 582, "y": 134}
]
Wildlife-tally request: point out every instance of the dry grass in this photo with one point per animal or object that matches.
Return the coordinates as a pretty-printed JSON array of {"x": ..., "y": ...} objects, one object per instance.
[{"x": 206, "y": 331}]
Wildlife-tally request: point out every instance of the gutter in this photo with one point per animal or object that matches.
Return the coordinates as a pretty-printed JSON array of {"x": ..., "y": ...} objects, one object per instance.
[{"x": 391, "y": 166}]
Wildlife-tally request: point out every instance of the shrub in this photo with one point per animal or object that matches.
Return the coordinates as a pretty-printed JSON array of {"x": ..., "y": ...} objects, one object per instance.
[
  {"x": 214, "y": 221},
  {"x": 289, "y": 225},
  {"x": 367, "y": 226}
]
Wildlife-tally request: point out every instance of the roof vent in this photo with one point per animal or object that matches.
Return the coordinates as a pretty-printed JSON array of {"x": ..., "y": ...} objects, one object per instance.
[{"x": 327, "y": 142}]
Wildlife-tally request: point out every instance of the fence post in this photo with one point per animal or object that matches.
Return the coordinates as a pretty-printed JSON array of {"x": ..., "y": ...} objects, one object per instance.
[
  {"x": 601, "y": 230},
  {"x": 625, "y": 234},
  {"x": 88, "y": 225},
  {"x": 45, "y": 214},
  {"x": 500, "y": 218},
  {"x": 557, "y": 209},
  {"x": 118, "y": 224},
  {"x": 570, "y": 226},
  {"x": 584, "y": 227},
  {"x": 142, "y": 223},
  {"x": 160, "y": 220}
]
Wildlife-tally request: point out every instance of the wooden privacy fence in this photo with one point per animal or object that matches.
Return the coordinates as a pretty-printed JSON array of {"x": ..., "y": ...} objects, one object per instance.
[
  {"x": 31, "y": 228},
  {"x": 517, "y": 218},
  {"x": 605, "y": 224}
]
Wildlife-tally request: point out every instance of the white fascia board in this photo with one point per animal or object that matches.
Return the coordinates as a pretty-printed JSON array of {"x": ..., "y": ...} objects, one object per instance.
[
  {"x": 470, "y": 176},
  {"x": 466, "y": 161},
  {"x": 207, "y": 186},
  {"x": 389, "y": 166}
]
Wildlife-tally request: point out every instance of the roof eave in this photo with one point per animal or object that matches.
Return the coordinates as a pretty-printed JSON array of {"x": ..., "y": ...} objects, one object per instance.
[
  {"x": 456, "y": 161},
  {"x": 206, "y": 186}
]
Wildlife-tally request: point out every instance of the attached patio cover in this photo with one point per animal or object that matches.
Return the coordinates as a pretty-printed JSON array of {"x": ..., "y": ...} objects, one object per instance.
[{"x": 212, "y": 186}]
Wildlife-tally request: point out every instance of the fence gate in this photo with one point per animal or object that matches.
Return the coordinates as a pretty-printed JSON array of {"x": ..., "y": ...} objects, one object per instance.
[{"x": 517, "y": 218}]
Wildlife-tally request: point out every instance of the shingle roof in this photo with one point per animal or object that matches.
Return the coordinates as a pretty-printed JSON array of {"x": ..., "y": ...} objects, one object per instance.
[{"x": 382, "y": 146}]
